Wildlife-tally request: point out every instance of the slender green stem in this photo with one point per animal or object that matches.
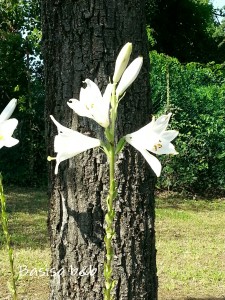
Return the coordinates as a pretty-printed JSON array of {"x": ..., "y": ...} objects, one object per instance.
[
  {"x": 109, "y": 283},
  {"x": 109, "y": 218},
  {"x": 4, "y": 218}
]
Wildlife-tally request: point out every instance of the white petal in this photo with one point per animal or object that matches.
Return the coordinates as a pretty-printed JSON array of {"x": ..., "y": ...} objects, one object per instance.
[
  {"x": 108, "y": 93},
  {"x": 146, "y": 130},
  {"x": 163, "y": 119},
  {"x": 79, "y": 108},
  {"x": 6, "y": 130},
  {"x": 101, "y": 117},
  {"x": 59, "y": 126},
  {"x": 169, "y": 135},
  {"x": 100, "y": 111},
  {"x": 161, "y": 123},
  {"x": 152, "y": 161},
  {"x": 63, "y": 149},
  {"x": 10, "y": 142},
  {"x": 2, "y": 144},
  {"x": 144, "y": 138},
  {"x": 164, "y": 148},
  {"x": 57, "y": 166},
  {"x": 92, "y": 91},
  {"x": 7, "y": 127},
  {"x": 69, "y": 143},
  {"x": 92, "y": 104},
  {"x": 9, "y": 109},
  {"x": 74, "y": 143},
  {"x": 68, "y": 146}
]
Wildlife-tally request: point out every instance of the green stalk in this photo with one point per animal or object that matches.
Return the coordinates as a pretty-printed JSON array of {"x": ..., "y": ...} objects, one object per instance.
[
  {"x": 8, "y": 241},
  {"x": 109, "y": 218}
]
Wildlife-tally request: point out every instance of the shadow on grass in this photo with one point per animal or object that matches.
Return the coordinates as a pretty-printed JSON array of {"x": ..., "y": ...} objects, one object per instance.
[
  {"x": 27, "y": 214},
  {"x": 28, "y": 200},
  {"x": 177, "y": 201}
]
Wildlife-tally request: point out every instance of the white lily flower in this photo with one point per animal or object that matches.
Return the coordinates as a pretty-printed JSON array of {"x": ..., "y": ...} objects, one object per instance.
[
  {"x": 154, "y": 138},
  {"x": 69, "y": 143},
  {"x": 122, "y": 61},
  {"x": 129, "y": 75},
  {"x": 92, "y": 104},
  {"x": 7, "y": 126},
  {"x": 8, "y": 110}
]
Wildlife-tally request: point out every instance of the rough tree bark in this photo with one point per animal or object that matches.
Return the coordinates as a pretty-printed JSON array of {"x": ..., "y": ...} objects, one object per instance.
[{"x": 81, "y": 39}]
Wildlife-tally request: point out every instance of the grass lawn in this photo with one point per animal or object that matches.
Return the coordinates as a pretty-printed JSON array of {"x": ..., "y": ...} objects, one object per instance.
[
  {"x": 190, "y": 246},
  {"x": 27, "y": 213},
  {"x": 191, "y": 252}
]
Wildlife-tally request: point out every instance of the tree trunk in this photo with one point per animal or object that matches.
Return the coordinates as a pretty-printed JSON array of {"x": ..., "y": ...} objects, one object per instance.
[{"x": 81, "y": 39}]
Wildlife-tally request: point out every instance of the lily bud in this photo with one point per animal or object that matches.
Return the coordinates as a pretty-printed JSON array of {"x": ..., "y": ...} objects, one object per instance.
[
  {"x": 122, "y": 61},
  {"x": 129, "y": 75}
]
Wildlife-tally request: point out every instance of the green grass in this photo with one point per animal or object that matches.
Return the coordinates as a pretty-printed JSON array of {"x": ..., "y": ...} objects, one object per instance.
[
  {"x": 190, "y": 246},
  {"x": 27, "y": 213},
  {"x": 190, "y": 243}
]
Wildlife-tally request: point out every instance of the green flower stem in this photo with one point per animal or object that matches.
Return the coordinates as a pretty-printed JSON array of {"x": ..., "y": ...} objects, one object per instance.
[
  {"x": 109, "y": 283},
  {"x": 109, "y": 218},
  {"x": 8, "y": 241}
]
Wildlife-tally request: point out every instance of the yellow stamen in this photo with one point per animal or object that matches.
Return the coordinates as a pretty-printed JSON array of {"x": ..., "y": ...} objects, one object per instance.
[
  {"x": 90, "y": 106},
  {"x": 157, "y": 146}
]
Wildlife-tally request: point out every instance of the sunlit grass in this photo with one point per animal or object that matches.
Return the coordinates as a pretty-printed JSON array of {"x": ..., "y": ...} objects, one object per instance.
[
  {"x": 190, "y": 246},
  {"x": 27, "y": 213},
  {"x": 190, "y": 243}
]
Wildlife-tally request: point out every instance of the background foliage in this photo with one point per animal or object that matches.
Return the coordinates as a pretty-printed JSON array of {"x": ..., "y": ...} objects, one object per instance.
[
  {"x": 192, "y": 86},
  {"x": 21, "y": 77},
  {"x": 196, "y": 96}
]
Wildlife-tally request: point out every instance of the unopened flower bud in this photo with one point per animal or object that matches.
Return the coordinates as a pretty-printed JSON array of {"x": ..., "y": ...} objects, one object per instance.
[
  {"x": 129, "y": 75},
  {"x": 122, "y": 61}
]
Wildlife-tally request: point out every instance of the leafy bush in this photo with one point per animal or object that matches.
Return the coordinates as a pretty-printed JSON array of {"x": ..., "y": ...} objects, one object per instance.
[{"x": 195, "y": 94}]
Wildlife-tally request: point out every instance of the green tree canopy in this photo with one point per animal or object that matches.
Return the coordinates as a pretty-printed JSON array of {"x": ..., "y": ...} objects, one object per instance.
[
  {"x": 187, "y": 29},
  {"x": 21, "y": 78}
]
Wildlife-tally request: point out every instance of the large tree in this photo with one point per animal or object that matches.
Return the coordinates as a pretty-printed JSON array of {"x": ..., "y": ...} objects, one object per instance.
[{"x": 81, "y": 39}]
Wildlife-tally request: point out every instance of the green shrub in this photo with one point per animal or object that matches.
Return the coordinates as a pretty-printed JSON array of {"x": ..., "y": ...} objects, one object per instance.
[{"x": 196, "y": 97}]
